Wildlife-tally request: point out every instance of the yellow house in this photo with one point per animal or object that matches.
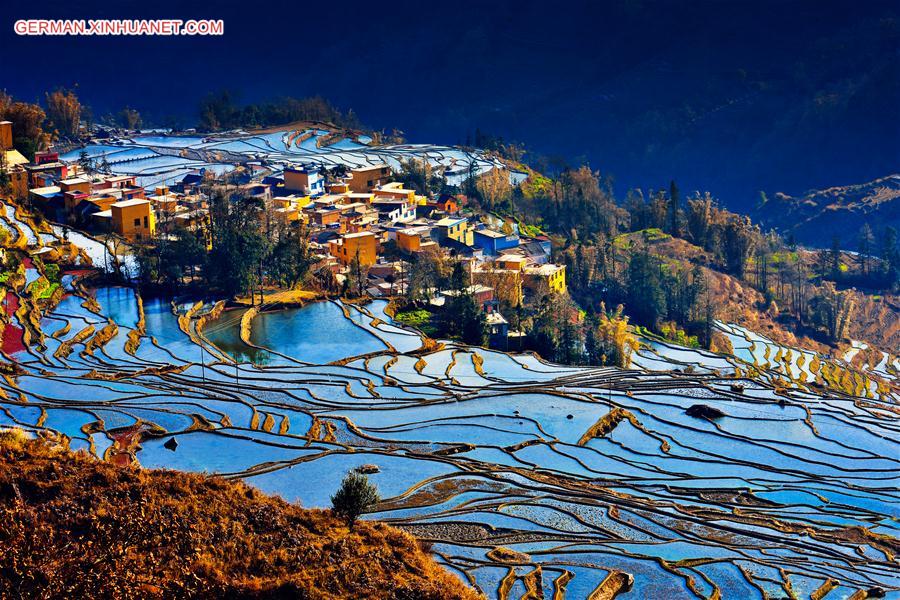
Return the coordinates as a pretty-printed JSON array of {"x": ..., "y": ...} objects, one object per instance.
[
  {"x": 13, "y": 162},
  {"x": 362, "y": 244},
  {"x": 455, "y": 228},
  {"x": 553, "y": 275},
  {"x": 395, "y": 190},
  {"x": 75, "y": 184},
  {"x": 295, "y": 201},
  {"x": 133, "y": 219}
]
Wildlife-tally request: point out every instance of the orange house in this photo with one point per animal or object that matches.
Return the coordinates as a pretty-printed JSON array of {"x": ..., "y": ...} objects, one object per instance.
[
  {"x": 448, "y": 204},
  {"x": 362, "y": 244},
  {"x": 75, "y": 184},
  {"x": 6, "y": 137},
  {"x": 133, "y": 219},
  {"x": 409, "y": 240},
  {"x": 363, "y": 180}
]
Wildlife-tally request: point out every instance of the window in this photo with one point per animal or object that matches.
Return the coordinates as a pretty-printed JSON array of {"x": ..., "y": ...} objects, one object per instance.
[
  {"x": 137, "y": 222},
  {"x": 146, "y": 226}
]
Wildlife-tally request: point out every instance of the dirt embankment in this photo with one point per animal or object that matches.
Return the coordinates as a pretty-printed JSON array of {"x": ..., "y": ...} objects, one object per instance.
[{"x": 80, "y": 527}]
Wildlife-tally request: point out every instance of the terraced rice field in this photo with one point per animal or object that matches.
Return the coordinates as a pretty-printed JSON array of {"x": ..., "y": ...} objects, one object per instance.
[
  {"x": 524, "y": 475},
  {"x": 163, "y": 160}
]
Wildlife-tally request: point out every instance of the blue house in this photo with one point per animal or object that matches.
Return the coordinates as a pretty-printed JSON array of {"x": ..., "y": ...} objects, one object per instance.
[{"x": 494, "y": 242}]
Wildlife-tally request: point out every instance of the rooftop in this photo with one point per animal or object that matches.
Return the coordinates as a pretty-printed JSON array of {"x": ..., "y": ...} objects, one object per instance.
[
  {"x": 358, "y": 235},
  {"x": 132, "y": 202},
  {"x": 14, "y": 157},
  {"x": 370, "y": 168},
  {"x": 491, "y": 233},
  {"x": 449, "y": 221},
  {"x": 50, "y": 190},
  {"x": 548, "y": 269}
]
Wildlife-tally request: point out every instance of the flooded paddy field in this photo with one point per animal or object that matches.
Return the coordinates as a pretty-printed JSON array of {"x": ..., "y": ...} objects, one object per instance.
[
  {"x": 769, "y": 473},
  {"x": 522, "y": 474},
  {"x": 165, "y": 159}
]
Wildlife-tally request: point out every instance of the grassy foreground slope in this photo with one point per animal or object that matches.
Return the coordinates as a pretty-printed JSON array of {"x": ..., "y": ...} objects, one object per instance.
[{"x": 77, "y": 527}]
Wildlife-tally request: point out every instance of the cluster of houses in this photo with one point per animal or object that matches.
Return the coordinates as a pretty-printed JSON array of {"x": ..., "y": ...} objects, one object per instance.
[
  {"x": 367, "y": 219},
  {"x": 360, "y": 217},
  {"x": 105, "y": 203}
]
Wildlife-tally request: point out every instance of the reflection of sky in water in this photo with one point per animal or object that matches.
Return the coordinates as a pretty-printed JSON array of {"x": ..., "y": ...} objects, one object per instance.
[{"x": 499, "y": 450}]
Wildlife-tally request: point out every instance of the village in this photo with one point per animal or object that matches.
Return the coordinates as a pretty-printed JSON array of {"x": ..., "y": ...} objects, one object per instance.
[{"x": 355, "y": 221}]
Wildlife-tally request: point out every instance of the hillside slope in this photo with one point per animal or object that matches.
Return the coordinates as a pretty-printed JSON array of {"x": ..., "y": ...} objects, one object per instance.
[
  {"x": 818, "y": 216},
  {"x": 875, "y": 318},
  {"x": 78, "y": 527}
]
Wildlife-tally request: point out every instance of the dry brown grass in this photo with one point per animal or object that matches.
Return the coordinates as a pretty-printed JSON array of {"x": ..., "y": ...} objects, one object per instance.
[{"x": 73, "y": 526}]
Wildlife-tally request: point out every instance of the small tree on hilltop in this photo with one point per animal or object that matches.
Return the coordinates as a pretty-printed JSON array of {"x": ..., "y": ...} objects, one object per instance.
[{"x": 355, "y": 497}]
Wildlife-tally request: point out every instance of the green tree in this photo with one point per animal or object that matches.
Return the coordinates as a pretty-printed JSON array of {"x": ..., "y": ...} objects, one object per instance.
[
  {"x": 890, "y": 255},
  {"x": 355, "y": 497},
  {"x": 739, "y": 243},
  {"x": 238, "y": 244},
  {"x": 85, "y": 162},
  {"x": 290, "y": 260},
  {"x": 358, "y": 276},
  {"x": 674, "y": 227},
  {"x": 646, "y": 299},
  {"x": 865, "y": 243},
  {"x": 699, "y": 219}
]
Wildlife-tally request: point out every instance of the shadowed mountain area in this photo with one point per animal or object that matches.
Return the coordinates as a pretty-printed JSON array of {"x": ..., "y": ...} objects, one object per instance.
[
  {"x": 819, "y": 216},
  {"x": 734, "y": 98}
]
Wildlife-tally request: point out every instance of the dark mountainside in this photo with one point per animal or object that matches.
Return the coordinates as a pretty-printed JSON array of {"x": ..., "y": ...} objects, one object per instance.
[
  {"x": 819, "y": 216},
  {"x": 735, "y": 98}
]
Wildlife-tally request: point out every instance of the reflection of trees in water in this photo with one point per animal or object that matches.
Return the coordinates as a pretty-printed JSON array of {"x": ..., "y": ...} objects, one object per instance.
[{"x": 498, "y": 456}]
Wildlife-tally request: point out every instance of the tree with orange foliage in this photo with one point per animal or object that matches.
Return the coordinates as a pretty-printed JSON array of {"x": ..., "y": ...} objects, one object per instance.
[
  {"x": 27, "y": 119},
  {"x": 64, "y": 111}
]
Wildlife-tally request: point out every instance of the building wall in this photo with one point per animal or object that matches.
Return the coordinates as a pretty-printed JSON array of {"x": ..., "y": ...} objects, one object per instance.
[
  {"x": 493, "y": 245},
  {"x": 83, "y": 186},
  {"x": 449, "y": 206},
  {"x": 133, "y": 222},
  {"x": 6, "y": 139},
  {"x": 363, "y": 180},
  {"x": 555, "y": 281},
  {"x": 510, "y": 263},
  {"x": 327, "y": 218},
  {"x": 408, "y": 195},
  {"x": 297, "y": 181},
  {"x": 366, "y": 246},
  {"x": 558, "y": 280},
  {"x": 408, "y": 242}
]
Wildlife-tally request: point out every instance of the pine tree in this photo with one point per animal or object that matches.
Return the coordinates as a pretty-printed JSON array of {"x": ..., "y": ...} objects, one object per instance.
[
  {"x": 355, "y": 497},
  {"x": 674, "y": 207},
  {"x": 866, "y": 239}
]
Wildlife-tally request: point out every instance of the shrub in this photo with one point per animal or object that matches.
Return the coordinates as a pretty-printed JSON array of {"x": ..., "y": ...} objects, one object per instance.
[
  {"x": 77, "y": 527},
  {"x": 355, "y": 497}
]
